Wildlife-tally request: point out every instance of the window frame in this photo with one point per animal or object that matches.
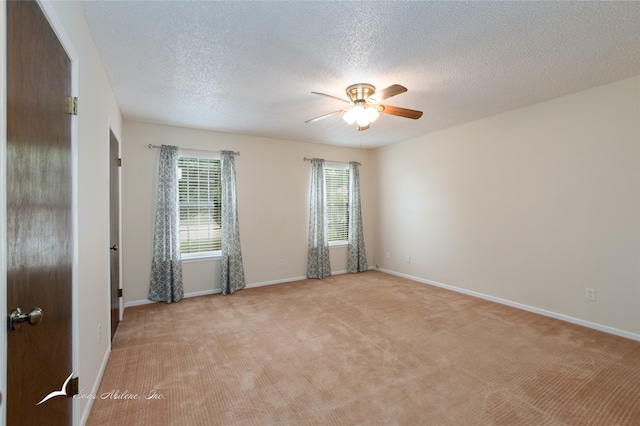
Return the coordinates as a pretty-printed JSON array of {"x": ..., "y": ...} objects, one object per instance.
[{"x": 203, "y": 255}]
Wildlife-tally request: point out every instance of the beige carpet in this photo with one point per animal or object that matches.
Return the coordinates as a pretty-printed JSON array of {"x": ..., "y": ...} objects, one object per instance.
[{"x": 370, "y": 349}]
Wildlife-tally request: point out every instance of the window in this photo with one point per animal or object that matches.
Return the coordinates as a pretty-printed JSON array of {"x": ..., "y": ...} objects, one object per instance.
[
  {"x": 336, "y": 182},
  {"x": 200, "y": 203}
]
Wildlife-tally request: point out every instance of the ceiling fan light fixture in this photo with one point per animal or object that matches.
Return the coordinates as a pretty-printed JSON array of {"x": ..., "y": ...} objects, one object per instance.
[
  {"x": 360, "y": 114},
  {"x": 366, "y": 106}
]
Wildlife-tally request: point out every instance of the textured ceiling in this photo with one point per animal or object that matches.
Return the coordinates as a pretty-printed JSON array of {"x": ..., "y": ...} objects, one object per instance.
[{"x": 249, "y": 66}]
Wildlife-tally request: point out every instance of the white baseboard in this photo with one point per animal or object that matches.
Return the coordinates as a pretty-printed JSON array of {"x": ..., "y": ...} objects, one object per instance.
[
  {"x": 522, "y": 306},
  {"x": 215, "y": 291},
  {"x": 137, "y": 303},
  {"x": 186, "y": 295},
  {"x": 285, "y": 280},
  {"x": 95, "y": 387},
  {"x": 218, "y": 291},
  {"x": 203, "y": 293}
]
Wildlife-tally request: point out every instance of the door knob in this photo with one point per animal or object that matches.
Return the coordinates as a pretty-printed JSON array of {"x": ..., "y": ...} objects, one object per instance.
[
  {"x": 17, "y": 317},
  {"x": 114, "y": 247}
]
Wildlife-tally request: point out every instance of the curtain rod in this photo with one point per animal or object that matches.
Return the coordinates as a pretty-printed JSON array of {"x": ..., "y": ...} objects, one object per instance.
[
  {"x": 189, "y": 149},
  {"x": 332, "y": 161}
]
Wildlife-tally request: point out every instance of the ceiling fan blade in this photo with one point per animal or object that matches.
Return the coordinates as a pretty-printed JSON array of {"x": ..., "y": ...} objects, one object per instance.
[
  {"x": 400, "y": 112},
  {"x": 386, "y": 93},
  {"x": 323, "y": 116},
  {"x": 331, "y": 96},
  {"x": 363, "y": 127}
]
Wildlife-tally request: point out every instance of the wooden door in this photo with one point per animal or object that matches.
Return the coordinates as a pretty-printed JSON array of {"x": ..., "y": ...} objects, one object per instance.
[
  {"x": 114, "y": 230},
  {"x": 39, "y": 217}
]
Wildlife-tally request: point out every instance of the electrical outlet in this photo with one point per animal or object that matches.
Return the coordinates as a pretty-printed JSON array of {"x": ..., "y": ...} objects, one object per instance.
[
  {"x": 280, "y": 263},
  {"x": 99, "y": 332},
  {"x": 388, "y": 255},
  {"x": 407, "y": 259},
  {"x": 590, "y": 294}
]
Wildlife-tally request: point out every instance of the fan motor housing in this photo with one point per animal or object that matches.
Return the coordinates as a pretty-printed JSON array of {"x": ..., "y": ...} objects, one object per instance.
[{"x": 360, "y": 91}]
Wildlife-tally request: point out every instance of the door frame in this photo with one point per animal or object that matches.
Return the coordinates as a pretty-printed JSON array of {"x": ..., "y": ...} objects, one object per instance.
[
  {"x": 110, "y": 130},
  {"x": 65, "y": 41}
]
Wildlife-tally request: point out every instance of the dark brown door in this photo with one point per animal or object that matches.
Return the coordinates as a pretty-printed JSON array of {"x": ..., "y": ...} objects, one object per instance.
[
  {"x": 114, "y": 221},
  {"x": 39, "y": 217}
]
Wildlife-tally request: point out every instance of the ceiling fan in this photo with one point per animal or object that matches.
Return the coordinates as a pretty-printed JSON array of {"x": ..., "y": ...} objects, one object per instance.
[{"x": 365, "y": 105}]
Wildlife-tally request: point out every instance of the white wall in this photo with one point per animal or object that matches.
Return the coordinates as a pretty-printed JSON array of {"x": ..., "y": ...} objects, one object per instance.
[
  {"x": 532, "y": 206},
  {"x": 98, "y": 111},
  {"x": 273, "y": 201}
]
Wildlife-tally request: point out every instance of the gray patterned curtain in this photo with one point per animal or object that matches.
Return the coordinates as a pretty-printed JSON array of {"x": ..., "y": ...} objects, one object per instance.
[
  {"x": 356, "y": 256},
  {"x": 232, "y": 269},
  {"x": 166, "y": 266},
  {"x": 318, "y": 265}
]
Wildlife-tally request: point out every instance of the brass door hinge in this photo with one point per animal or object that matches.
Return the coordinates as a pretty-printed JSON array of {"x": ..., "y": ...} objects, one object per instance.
[
  {"x": 119, "y": 292},
  {"x": 119, "y": 162},
  {"x": 72, "y": 387},
  {"x": 72, "y": 105}
]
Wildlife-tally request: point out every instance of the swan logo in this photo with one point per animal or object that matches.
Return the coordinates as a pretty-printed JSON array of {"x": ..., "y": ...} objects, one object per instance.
[{"x": 61, "y": 392}]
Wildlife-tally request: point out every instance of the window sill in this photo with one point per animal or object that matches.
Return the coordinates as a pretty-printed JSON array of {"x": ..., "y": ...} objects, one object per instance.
[
  {"x": 204, "y": 258},
  {"x": 339, "y": 244}
]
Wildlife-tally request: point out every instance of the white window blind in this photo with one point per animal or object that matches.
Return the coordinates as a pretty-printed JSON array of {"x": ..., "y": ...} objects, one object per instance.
[
  {"x": 200, "y": 203},
  {"x": 337, "y": 191}
]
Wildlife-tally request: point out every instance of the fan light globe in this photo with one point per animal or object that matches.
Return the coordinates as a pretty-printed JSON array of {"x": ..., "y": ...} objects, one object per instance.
[
  {"x": 372, "y": 114},
  {"x": 349, "y": 117},
  {"x": 362, "y": 121}
]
